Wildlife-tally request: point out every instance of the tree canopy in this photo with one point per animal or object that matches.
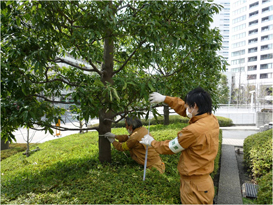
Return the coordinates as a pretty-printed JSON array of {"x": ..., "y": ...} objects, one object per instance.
[{"x": 127, "y": 49}]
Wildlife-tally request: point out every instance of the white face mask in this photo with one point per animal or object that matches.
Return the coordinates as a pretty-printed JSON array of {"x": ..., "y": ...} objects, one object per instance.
[
  {"x": 129, "y": 131},
  {"x": 188, "y": 113}
]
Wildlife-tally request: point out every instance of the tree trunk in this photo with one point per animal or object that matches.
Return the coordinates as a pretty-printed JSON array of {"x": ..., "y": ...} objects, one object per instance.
[
  {"x": 104, "y": 144},
  {"x": 166, "y": 115},
  {"x": 4, "y": 145},
  {"x": 27, "y": 151},
  {"x": 105, "y": 117}
]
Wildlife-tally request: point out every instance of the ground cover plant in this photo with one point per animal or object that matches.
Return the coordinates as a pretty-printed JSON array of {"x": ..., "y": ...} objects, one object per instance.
[
  {"x": 258, "y": 158},
  {"x": 14, "y": 148},
  {"x": 68, "y": 171}
]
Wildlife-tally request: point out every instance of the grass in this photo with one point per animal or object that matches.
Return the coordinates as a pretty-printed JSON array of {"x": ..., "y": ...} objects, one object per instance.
[
  {"x": 67, "y": 171},
  {"x": 15, "y": 148}
]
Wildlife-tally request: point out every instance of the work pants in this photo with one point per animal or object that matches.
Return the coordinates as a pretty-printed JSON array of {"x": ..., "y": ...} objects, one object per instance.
[{"x": 196, "y": 189}]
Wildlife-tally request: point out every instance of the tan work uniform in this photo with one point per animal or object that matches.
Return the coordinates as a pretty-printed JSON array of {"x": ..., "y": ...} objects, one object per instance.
[
  {"x": 200, "y": 143},
  {"x": 138, "y": 150}
]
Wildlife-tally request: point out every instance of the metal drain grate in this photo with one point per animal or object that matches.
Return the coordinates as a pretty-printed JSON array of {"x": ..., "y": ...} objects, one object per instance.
[{"x": 249, "y": 190}]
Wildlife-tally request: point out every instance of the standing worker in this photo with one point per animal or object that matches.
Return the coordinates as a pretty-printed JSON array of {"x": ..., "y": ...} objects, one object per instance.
[
  {"x": 131, "y": 143},
  {"x": 198, "y": 144}
]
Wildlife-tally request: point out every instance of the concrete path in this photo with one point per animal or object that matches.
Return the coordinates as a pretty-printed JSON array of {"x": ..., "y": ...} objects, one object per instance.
[
  {"x": 229, "y": 191},
  {"x": 41, "y": 136}
]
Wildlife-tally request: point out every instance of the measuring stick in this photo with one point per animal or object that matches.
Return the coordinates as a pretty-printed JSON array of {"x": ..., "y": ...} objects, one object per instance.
[{"x": 146, "y": 154}]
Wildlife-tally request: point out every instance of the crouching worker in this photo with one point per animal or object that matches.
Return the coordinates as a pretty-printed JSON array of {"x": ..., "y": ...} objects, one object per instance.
[
  {"x": 197, "y": 143},
  {"x": 131, "y": 142}
]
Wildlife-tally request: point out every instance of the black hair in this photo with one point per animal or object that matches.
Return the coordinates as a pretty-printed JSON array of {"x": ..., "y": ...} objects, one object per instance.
[
  {"x": 201, "y": 98},
  {"x": 135, "y": 122}
]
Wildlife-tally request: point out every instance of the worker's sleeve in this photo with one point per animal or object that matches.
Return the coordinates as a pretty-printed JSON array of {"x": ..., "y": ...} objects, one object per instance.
[
  {"x": 122, "y": 138},
  {"x": 183, "y": 140},
  {"x": 177, "y": 104},
  {"x": 162, "y": 147},
  {"x": 124, "y": 146}
]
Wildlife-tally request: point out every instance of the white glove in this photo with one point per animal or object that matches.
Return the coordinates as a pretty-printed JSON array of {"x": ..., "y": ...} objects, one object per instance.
[
  {"x": 147, "y": 140},
  {"x": 111, "y": 139},
  {"x": 109, "y": 134},
  {"x": 156, "y": 98}
]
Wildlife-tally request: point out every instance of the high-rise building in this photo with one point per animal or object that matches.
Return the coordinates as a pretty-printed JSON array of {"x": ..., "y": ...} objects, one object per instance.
[
  {"x": 251, "y": 48},
  {"x": 221, "y": 21}
]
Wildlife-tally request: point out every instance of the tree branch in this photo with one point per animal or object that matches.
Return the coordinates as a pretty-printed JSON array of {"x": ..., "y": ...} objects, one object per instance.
[
  {"x": 61, "y": 60},
  {"x": 124, "y": 64},
  {"x": 53, "y": 101},
  {"x": 65, "y": 128}
]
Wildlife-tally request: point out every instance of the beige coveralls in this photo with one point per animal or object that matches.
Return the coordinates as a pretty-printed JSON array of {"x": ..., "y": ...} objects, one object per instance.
[
  {"x": 200, "y": 143},
  {"x": 138, "y": 150}
]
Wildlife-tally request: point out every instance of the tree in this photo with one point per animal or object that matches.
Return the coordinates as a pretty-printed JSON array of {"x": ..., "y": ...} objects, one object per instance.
[
  {"x": 130, "y": 48},
  {"x": 223, "y": 89}
]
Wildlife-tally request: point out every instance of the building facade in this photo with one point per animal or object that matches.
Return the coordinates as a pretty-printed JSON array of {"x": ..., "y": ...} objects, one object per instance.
[
  {"x": 222, "y": 21},
  {"x": 251, "y": 49}
]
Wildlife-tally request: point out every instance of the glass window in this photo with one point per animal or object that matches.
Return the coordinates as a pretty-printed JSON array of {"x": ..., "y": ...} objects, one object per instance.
[
  {"x": 267, "y": 37},
  {"x": 267, "y": 56},
  {"x": 264, "y": 75},
  {"x": 237, "y": 61},
  {"x": 266, "y": 47},
  {"x": 254, "y": 40},
  {"x": 252, "y": 59},
  {"x": 251, "y": 77},
  {"x": 252, "y": 67},
  {"x": 252, "y": 50},
  {"x": 267, "y": 18},
  {"x": 240, "y": 27},
  {"x": 238, "y": 11},
  {"x": 252, "y": 23},
  {"x": 267, "y": 28},
  {"x": 238, "y": 53},
  {"x": 241, "y": 18},
  {"x": 253, "y": 32},
  {"x": 266, "y": 66},
  {"x": 252, "y": 14},
  {"x": 267, "y": 9},
  {"x": 237, "y": 3},
  {"x": 254, "y": 5},
  {"x": 238, "y": 36},
  {"x": 265, "y": 1},
  {"x": 239, "y": 69},
  {"x": 238, "y": 44}
]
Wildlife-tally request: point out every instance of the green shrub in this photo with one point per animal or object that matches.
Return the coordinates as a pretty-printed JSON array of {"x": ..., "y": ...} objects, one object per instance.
[
  {"x": 258, "y": 153},
  {"x": 223, "y": 122},
  {"x": 265, "y": 189},
  {"x": 67, "y": 171}
]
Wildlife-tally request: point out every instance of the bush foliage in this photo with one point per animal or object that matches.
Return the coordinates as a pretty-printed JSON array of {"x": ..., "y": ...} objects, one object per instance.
[
  {"x": 223, "y": 122},
  {"x": 258, "y": 159},
  {"x": 67, "y": 171},
  {"x": 265, "y": 189}
]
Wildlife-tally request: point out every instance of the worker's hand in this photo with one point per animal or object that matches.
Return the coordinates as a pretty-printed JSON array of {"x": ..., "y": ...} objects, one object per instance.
[
  {"x": 156, "y": 98},
  {"x": 109, "y": 134},
  {"x": 147, "y": 140},
  {"x": 111, "y": 139}
]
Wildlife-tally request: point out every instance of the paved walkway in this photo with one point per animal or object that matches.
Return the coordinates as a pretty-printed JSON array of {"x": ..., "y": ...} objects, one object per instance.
[
  {"x": 229, "y": 191},
  {"x": 41, "y": 136}
]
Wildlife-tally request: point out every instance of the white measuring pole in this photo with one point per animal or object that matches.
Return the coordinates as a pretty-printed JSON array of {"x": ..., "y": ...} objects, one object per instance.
[{"x": 146, "y": 154}]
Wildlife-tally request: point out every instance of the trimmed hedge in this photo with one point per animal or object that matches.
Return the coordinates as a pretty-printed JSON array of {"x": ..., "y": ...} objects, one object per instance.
[
  {"x": 223, "y": 122},
  {"x": 258, "y": 159},
  {"x": 258, "y": 153},
  {"x": 265, "y": 189}
]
